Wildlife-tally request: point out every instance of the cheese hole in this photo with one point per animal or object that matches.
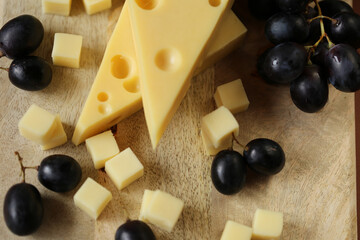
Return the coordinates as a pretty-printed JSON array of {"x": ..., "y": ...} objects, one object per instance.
[
  {"x": 214, "y": 3},
  {"x": 132, "y": 85},
  {"x": 147, "y": 4},
  {"x": 120, "y": 67},
  {"x": 103, "y": 109},
  {"x": 103, "y": 97},
  {"x": 168, "y": 59}
]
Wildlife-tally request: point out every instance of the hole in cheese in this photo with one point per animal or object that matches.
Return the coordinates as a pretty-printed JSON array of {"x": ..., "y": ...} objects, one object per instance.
[
  {"x": 132, "y": 85},
  {"x": 147, "y": 4},
  {"x": 168, "y": 59},
  {"x": 214, "y": 3},
  {"x": 104, "y": 109},
  {"x": 120, "y": 67},
  {"x": 103, "y": 97}
]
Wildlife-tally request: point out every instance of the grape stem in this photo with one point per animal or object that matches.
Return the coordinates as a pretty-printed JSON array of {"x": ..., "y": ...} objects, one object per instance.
[
  {"x": 6, "y": 69},
  {"x": 23, "y": 168},
  {"x": 334, "y": 21}
]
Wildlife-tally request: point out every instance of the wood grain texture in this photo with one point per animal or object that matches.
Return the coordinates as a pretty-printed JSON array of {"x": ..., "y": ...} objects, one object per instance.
[{"x": 316, "y": 189}]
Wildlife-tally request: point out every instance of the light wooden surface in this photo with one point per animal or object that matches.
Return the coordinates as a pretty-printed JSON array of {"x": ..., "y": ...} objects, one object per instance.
[{"x": 315, "y": 190}]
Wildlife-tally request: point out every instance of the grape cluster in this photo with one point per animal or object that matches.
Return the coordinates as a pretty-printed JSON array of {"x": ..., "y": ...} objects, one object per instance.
[
  {"x": 315, "y": 44},
  {"x": 18, "y": 38}
]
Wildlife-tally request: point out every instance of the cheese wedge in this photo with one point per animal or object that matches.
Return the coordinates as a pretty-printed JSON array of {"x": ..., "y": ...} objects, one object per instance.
[
  {"x": 229, "y": 36},
  {"x": 170, "y": 37}
]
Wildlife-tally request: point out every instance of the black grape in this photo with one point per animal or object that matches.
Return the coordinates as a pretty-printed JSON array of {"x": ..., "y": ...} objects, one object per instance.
[
  {"x": 264, "y": 156},
  {"x": 310, "y": 91},
  {"x": 285, "y": 62},
  {"x": 331, "y": 7},
  {"x": 346, "y": 29},
  {"x": 30, "y": 73},
  {"x": 314, "y": 32},
  {"x": 134, "y": 230},
  {"x": 263, "y": 9},
  {"x": 284, "y": 27},
  {"x": 23, "y": 209},
  {"x": 260, "y": 66},
  {"x": 318, "y": 57},
  {"x": 21, "y": 36},
  {"x": 59, "y": 173},
  {"x": 343, "y": 68},
  {"x": 228, "y": 172},
  {"x": 292, "y": 6}
]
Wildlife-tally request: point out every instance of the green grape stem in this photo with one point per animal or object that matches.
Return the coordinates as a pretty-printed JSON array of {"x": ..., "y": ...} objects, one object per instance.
[{"x": 23, "y": 168}]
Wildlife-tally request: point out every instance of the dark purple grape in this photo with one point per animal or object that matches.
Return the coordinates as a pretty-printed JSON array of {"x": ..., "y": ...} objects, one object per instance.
[
  {"x": 30, "y": 73},
  {"x": 284, "y": 27},
  {"x": 134, "y": 230},
  {"x": 228, "y": 172},
  {"x": 292, "y": 6},
  {"x": 343, "y": 68},
  {"x": 346, "y": 29},
  {"x": 263, "y": 9},
  {"x": 285, "y": 62},
  {"x": 21, "y": 36},
  {"x": 310, "y": 91},
  {"x": 264, "y": 156},
  {"x": 23, "y": 209},
  {"x": 314, "y": 32},
  {"x": 331, "y": 7},
  {"x": 260, "y": 66},
  {"x": 318, "y": 57},
  {"x": 59, "y": 173}
]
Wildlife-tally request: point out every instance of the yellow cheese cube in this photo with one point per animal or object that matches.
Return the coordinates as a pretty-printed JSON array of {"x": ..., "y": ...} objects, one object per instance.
[
  {"x": 58, "y": 138},
  {"x": 267, "y": 225},
  {"x": 67, "y": 50},
  {"x": 124, "y": 168},
  {"x": 164, "y": 210},
  {"x": 60, "y": 7},
  {"x": 232, "y": 95},
  {"x": 210, "y": 149},
  {"x": 236, "y": 231},
  {"x": 37, "y": 125},
  {"x": 94, "y": 6},
  {"x": 219, "y": 125},
  {"x": 92, "y": 198},
  {"x": 102, "y": 147},
  {"x": 148, "y": 195}
]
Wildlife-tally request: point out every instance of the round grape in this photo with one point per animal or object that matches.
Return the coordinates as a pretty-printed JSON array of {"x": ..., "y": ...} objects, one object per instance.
[
  {"x": 134, "y": 230},
  {"x": 331, "y": 7},
  {"x": 292, "y": 6},
  {"x": 346, "y": 29}
]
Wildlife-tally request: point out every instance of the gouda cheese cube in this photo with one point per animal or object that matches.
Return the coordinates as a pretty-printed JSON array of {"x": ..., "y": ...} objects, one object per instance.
[
  {"x": 148, "y": 195},
  {"x": 92, "y": 198},
  {"x": 67, "y": 50},
  {"x": 236, "y": 231},
  {"x": 37, "y": 125},
  {"x": 58, "y": 138},
  {"x": 124, "y": 168},
  {"x": 164, "y": 210},
  {"x": 219, "y": 125},
  {"x": 267, "y": 225},
  {"x": 232, "y": 95},
  {"x": 60, "y": 7},
  {"x": 102, "y": 147},
  {"x": 95, "y": 6},
  {"x": 210, "y": 149}
]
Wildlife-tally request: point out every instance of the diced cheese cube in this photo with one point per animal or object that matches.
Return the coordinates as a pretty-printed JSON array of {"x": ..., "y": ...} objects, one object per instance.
[
  {"x": 94, "y": 6},
  {"x": 60, "y": 7},
  {"x": 102, "y": 147},
  {"x": 58, "y": 138},
  {"x": 232, "y": 95},
  {"x": 219, "y": 125},
  {"x": 148, "y": 195},
  {"x": 210, "y": 149},
  {"x": 164, "y": 210},
  {"x": 267, "y": 225},
  {"x": 124, "y": 168},
  {"x": 236, "y": 231},
  {"x": 92, "y": 198},
  {"x": 37, "y": 125},
  {"x": 67, "y": 50}
]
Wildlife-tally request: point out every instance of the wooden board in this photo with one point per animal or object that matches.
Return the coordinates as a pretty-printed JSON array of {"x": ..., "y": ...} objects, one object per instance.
[{"x": 316, "y": 189}]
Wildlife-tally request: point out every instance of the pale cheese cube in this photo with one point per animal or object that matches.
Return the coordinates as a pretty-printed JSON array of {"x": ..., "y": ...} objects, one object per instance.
[
  {"x": 232, "y": 95},
  {"x": 60, "y": 7},
  {"x": 67, "y": 50},
  {"x": 219, "y": 125},
  {"x": 124, "y": 168},
  {"x": 92, "y": 198},
  {"x": 236, "y": 231},
  {"x": 102, "y": 147},
  {"x": 148, "y": 195},
  {"x": 267, "y": 225},
  {"x": 37, "y": 125},
  {"x": 58, "y": 138},
  {"x": 164, "y": 210},
  {"x": 210, "y": 149},
  {"x": 95, "y": 6}
]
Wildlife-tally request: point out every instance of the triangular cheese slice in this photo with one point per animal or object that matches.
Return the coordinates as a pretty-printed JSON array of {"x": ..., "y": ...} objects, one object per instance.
[{"x": 169, "y": 38}]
